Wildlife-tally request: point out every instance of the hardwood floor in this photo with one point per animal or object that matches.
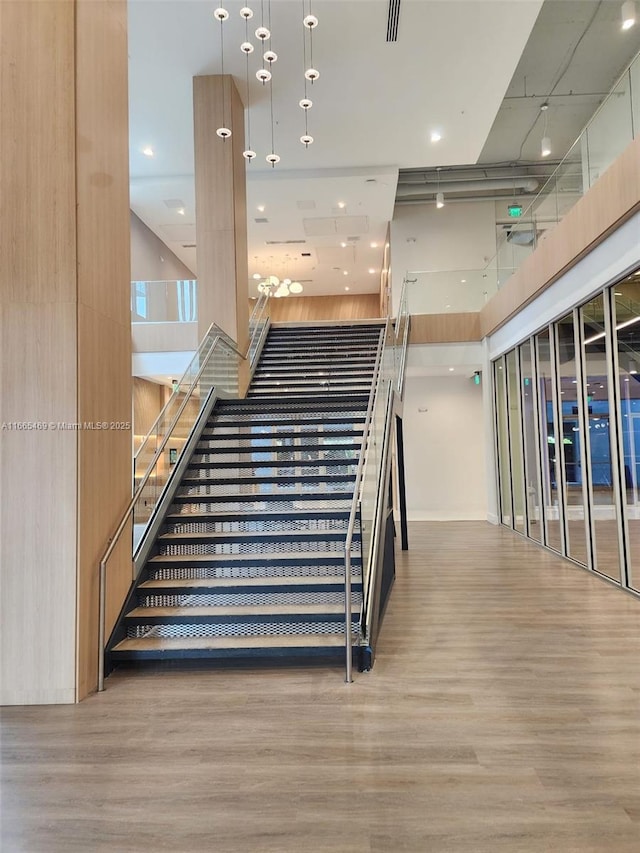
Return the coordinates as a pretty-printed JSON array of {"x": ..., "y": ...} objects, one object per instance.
[{"x": 503, "y": 714}]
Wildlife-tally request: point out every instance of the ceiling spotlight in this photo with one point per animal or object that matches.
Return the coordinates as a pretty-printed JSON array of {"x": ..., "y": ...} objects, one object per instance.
[
  {"x": 246, "y": 47},
  {"x": 373, "y": 245},
  {"x": 545, "y": 146},
  {"x": 344, "y": 245},
  {"x": 148, "y": 151},
  {"x": 180, "y": 210},
  {"x": 311, "y": 74},
  {"x": 295, "y": 287},
  {"x": 439, "y": 200},
  {"x": 306, "y": 140},
  {"x": 261, "y": 208},
  {"x": 263, "y": 75},
  {"x": 263, "y": 33},
  {"x": 310, "y": 21},
  {"x": 270, "y": 56},
  {"x": 345, "y": 272},
  {"x": 221, "y": 14},
  {"x": 628, "y": 14},
  {"x": 273, "y": 159},
  {"x": 436, "y": 136},
  {"x": 223, "y": 132},
  {"x": 246, "y": 13},
  {"x": 257, "y": 276},
  {"x": 306, "y": 103},
  {"x": 371, "y": 270},
  {"x": 346, "y": 287},
  {"x": 249, "y": 154},
  {"x": 341, "y": 205}
]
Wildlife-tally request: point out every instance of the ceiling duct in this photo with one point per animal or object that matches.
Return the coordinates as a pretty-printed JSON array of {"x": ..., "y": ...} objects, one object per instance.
[
  {"x": 393, "y": 17},
  {"x": 429, "y": 188}
]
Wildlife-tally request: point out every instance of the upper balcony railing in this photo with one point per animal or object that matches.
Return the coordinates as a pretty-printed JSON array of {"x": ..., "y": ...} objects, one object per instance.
[{"x": 613, "y": 126}]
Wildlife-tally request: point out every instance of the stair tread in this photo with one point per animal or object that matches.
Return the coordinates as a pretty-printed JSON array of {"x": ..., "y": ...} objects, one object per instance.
[
  {"x": 275, "y": 536},
  {"x": 287, "y": 514},
  {"x": 283, "y": 555},
  {"x": 238, "y": 610},
  {"x": 253, "y": 642},
  {"x": 226, "y": 583}
]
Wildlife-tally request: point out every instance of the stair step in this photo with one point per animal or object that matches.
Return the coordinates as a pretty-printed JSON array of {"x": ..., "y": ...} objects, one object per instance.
[
  {"x": 262, "y": 613},
  {"x": 256, "y": 517},
  {"x": 221, "y": 455},
  {"x": 343, "y": 497},
  {"x": 248, "y": 538},
  {"x": 159, "y": 648},
  {"x": 265, "y": 464},
  {"x": 193, "y": 586},
  {"x": 229, "y": 561},
  {"x": 248, "y": 439}
]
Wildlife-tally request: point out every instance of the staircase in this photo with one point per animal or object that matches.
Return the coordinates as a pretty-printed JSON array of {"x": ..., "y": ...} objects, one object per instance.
[{"x": 249, "y": 562}]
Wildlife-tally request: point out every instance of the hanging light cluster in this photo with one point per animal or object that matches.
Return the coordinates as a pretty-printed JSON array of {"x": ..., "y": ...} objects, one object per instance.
[
  {"x": 265, "y": 75},
  {"x": 272, "y": 285}
]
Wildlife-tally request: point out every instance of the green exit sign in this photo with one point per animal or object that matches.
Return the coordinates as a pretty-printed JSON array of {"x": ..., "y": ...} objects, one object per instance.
[{"x": 515, "y": 210}]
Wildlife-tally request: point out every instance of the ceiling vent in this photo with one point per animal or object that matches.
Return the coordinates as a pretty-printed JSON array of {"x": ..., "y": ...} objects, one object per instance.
[
  {"x": 306, "y": 205},
  {"x": 392, "y": 20},
  {"x": 284, "y": 242},
  {"x": 188, "y": 245},
  {"x": 261, "y": 220},
  {"x": 174, "y": 203}
]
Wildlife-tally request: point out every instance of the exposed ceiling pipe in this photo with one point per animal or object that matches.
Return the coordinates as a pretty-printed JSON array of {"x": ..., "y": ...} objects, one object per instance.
[{"x": 528, "y": 185}]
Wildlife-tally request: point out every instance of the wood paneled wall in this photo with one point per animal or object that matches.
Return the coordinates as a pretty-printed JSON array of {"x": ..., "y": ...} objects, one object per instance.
[
  {"x": 444, "y": 328},
  {"x": 221, "y": 208},
  {"x": 611, "y": 200},
  {"x": 64, "y": 336},
  {"x": 148, "y": 401},
  {"x": 311, "y": 309}
]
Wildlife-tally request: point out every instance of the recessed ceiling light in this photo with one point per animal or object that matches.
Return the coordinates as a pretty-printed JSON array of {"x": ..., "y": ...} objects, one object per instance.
[
  {"x": 451, "y": 368},
  {"x": 148, "y": 151},
  {"x": 463, "y": 281},
  {"x": 346, "y": 287},
  {"x": 371, "y": 270},
  {"x": 261, "y": 208},
  {"x": 344, "y": 245},
  {"x": 341, "y": 204},
  {"x": 436, "y": 136},
  {"x": 345, "y": 272},
  {"x": 373, "y": 245},
  {"x": 257, "y": 276},
  {"x": 447, "y": 306},
  {"x": 180, "y": 210}
]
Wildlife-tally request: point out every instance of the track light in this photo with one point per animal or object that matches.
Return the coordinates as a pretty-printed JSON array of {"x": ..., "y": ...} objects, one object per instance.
[
  {"x": 628, "y": 14},
  {"x": 439, "y": 200}
]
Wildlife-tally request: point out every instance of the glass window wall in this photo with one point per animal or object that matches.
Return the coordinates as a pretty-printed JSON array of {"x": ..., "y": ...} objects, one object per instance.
[{"x": 568, "y": 434}]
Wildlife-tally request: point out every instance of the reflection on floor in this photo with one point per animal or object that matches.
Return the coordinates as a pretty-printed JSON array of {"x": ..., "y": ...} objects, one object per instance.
[{"x": 502, "y": 716}]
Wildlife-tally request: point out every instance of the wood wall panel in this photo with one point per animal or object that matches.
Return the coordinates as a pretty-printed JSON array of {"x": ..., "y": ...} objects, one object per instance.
[
  {"x": 611, "y": 200},
  {"x": 311, "y": 309},
  {"x": 444, "y": 328},
  {"x": 104, "y": 318},
  {"x": 37, "y": 353},
  {"x": 148, "y": 400},
  {"x": 221, "y": 222},
  {"x": 64, "y": 334}
]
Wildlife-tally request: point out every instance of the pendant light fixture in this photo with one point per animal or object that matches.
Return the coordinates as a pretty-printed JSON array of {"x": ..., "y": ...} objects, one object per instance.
[
  {"x": 628, "y": 14},
  {"x": 247, "y": 48},
  {"x": 545, "y": 145},
  {"x": 310, "y": 22},
  {"x": 306, "y": 103},
  {"x": 220, "y": 14},
  {"x": 271, "y": 158}
]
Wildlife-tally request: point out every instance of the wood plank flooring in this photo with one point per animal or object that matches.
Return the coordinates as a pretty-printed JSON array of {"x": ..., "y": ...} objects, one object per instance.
[{"x": 503, "y": 714}]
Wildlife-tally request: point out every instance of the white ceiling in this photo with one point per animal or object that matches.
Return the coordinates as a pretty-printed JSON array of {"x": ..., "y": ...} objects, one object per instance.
[{"x": 375, "y": 106}]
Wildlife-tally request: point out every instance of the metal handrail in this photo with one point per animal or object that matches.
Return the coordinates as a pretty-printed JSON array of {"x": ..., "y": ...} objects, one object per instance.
[
  {"x": 354, "y": 507},
  {"x": 125, "y": 517}
]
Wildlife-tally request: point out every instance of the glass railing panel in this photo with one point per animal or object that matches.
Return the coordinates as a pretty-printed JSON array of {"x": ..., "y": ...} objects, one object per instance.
[
  {"x": 610, "y": 130},
  {"x": 219, "y": 370},
  {"x": 173, "y": 301},
  {"x": 450, "y": 291}
]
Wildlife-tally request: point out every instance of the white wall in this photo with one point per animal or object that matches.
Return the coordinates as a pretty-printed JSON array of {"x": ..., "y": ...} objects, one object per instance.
[
  {"x": 444, "y": 441},
  {"x": 456, "y": 237},
  {"x": 151, "y": 259}
]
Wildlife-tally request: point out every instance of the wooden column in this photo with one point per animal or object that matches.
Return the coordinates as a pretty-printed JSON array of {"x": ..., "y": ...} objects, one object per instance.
[
  {"x": 65, "y": 352},
  {"x": 221, "y": 208}
]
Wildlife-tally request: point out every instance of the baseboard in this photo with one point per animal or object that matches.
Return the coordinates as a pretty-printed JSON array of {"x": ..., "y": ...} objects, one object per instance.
[
  {"x": 62, "y": 696},
  {"x": 492, "y": 518},
  {"x": 446, "y": 515}
]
